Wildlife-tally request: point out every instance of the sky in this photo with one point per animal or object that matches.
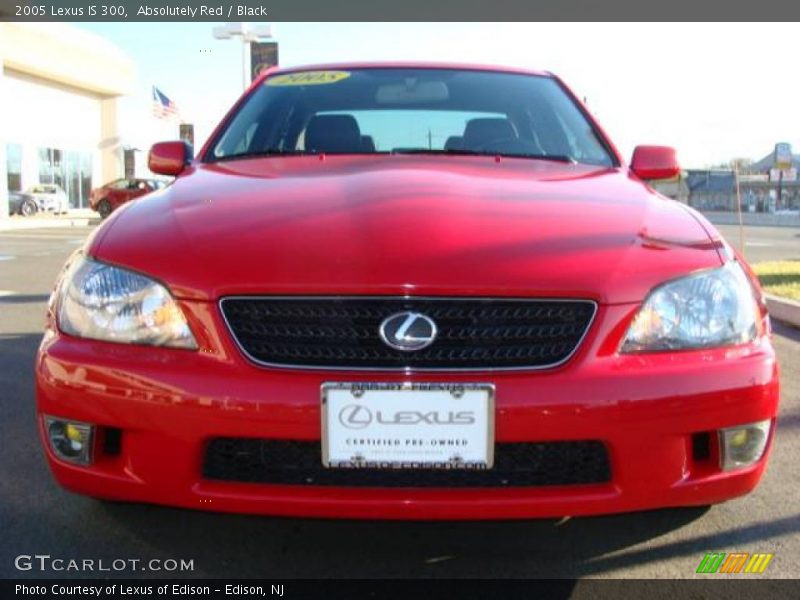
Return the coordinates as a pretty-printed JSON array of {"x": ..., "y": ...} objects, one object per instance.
[{"x": 714, "y": 91}]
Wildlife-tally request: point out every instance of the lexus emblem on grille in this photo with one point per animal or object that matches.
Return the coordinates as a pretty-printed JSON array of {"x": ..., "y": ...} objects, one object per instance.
[{"x": 408, "y": 331}]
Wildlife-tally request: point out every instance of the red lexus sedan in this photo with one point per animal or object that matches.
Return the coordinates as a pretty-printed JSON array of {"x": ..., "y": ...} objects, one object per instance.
[
  {"x": 114, "y": 194},
  {"x": 411, "y": 292}
]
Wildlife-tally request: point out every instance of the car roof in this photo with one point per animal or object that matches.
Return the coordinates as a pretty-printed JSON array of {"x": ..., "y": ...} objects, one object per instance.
[{"x": 343, "y": 66}]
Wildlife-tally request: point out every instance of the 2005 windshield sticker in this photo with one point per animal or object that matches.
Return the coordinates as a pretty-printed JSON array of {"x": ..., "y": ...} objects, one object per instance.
[{"x": 308, "y": 78}]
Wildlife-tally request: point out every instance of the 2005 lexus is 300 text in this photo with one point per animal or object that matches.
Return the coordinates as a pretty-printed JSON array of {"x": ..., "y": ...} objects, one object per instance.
[{"x": 408, "y": 291}]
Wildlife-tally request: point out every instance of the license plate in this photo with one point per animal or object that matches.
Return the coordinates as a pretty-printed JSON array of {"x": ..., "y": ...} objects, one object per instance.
[{"x": 408, "y": 426}]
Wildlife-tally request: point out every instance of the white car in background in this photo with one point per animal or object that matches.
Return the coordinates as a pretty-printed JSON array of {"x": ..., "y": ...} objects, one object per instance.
[{"x": 50, "y": 197}]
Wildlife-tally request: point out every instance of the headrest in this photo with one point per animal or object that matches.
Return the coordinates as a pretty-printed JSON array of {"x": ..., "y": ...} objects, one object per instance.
[
  {"x": 333, "y": 133},
  {"x": 454, "y": 142},
  {"x": 480, "y": 132},
  {"x": 367, "y": 143}
]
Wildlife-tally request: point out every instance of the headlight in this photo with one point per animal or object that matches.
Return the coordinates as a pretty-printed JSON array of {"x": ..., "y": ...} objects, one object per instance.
[
  {"x": 707, "y": 309},
  {"x": 104, "y": 302}
]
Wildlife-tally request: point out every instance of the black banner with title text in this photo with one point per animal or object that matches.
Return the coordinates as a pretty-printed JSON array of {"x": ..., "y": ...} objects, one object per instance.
[
  {"x": 461, "y": 589},
  {"x": 391, "y": 10}
]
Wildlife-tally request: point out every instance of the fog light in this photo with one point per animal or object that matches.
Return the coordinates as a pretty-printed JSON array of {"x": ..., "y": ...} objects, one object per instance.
[
  {"x": 743, "y": 445},
  {"x": 70, "y": 440}
]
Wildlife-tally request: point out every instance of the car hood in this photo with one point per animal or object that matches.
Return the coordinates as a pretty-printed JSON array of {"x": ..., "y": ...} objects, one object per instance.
[{"x": 413, "y": 225}]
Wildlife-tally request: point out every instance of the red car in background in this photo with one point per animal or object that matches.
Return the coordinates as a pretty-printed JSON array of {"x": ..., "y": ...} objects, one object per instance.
[
  {"x": 413, "y": 292},
  {"x": 111, "y": 196}
]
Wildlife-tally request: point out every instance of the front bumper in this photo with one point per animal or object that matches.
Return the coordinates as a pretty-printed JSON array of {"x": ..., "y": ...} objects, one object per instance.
[{"x": 170, "y": 403}]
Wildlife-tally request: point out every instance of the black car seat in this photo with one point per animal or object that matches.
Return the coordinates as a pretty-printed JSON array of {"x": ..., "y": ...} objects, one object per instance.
[
  {"x": 454, "y": 142},
  {"x": 481, "y": 132},
  {"x": 367, "y": 143},
  {"x": 333, "y": 133}
]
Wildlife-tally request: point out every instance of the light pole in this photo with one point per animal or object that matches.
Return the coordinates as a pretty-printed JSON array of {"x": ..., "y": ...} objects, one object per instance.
[{"x": 247, "y": 33}]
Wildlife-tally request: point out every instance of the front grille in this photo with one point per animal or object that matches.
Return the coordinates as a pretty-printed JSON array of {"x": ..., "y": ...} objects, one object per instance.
[
  {"x": 524, "y": 464},
  {"x": 344, "y": 332}
]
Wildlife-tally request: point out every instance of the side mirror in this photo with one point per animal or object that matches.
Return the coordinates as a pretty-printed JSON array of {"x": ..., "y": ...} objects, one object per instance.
[
  {"x": 169, "y": 158},
  {"x": 655, "y": 162}
]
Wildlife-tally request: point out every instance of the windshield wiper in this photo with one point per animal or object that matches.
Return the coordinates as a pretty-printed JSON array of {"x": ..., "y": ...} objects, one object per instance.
[
  {"x": 449, "y": 152},
  {"x": 265, "y": 153},
  {"x": 456, "y": 152}
]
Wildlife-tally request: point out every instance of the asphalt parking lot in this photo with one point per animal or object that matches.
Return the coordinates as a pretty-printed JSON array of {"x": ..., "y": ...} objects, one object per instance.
[
  {"x": 764, "y": 243},
  {"x": 37, "y": 517}
]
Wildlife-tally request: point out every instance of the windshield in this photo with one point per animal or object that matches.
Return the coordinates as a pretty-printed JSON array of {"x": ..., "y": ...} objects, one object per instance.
[{"x": 367, "y": 111}]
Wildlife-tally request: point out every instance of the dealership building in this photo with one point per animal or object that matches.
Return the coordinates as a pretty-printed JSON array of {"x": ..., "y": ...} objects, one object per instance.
[{"x": 60, "y": 88}]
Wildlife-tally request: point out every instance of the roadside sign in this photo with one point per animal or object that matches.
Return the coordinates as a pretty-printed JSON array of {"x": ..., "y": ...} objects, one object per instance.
[
  {"x": 263, "y": 55},
  {"x": 788, "y": 175},
  {"x": 129, "y": 161},
  {"x": 783, "y": 156},
  {"x": 186, "y": 131}
]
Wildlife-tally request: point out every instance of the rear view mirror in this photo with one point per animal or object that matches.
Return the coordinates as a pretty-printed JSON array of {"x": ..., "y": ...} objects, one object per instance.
[
  {"x": 655, "y": 162},
  {"x": 412, "y": 92},
  {"x": 169, "y": 158}
]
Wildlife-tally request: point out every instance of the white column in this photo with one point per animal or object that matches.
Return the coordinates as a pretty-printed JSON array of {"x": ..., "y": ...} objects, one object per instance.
[
  {"x": 3, "y": 129},
  {"x": 110, "y": 148}
]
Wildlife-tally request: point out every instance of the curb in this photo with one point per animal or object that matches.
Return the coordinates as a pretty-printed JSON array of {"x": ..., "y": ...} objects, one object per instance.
[
  {"x": 783, "y": 310},
  {"x": 33, "y": 223},
  {"x": 752, "y": 219}
]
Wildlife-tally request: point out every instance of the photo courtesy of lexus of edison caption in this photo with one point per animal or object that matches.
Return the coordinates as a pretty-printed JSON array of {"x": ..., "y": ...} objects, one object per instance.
[{"x": 319, "y": 317}]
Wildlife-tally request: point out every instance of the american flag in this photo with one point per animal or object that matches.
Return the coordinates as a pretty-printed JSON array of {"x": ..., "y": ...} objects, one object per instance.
[{"x": 163, "y": 107}]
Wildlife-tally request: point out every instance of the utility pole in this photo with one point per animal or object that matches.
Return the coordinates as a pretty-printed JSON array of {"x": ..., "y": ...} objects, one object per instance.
[
  {"x": 739, "y": 207},
  {"x": 783, "y": 160}
]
